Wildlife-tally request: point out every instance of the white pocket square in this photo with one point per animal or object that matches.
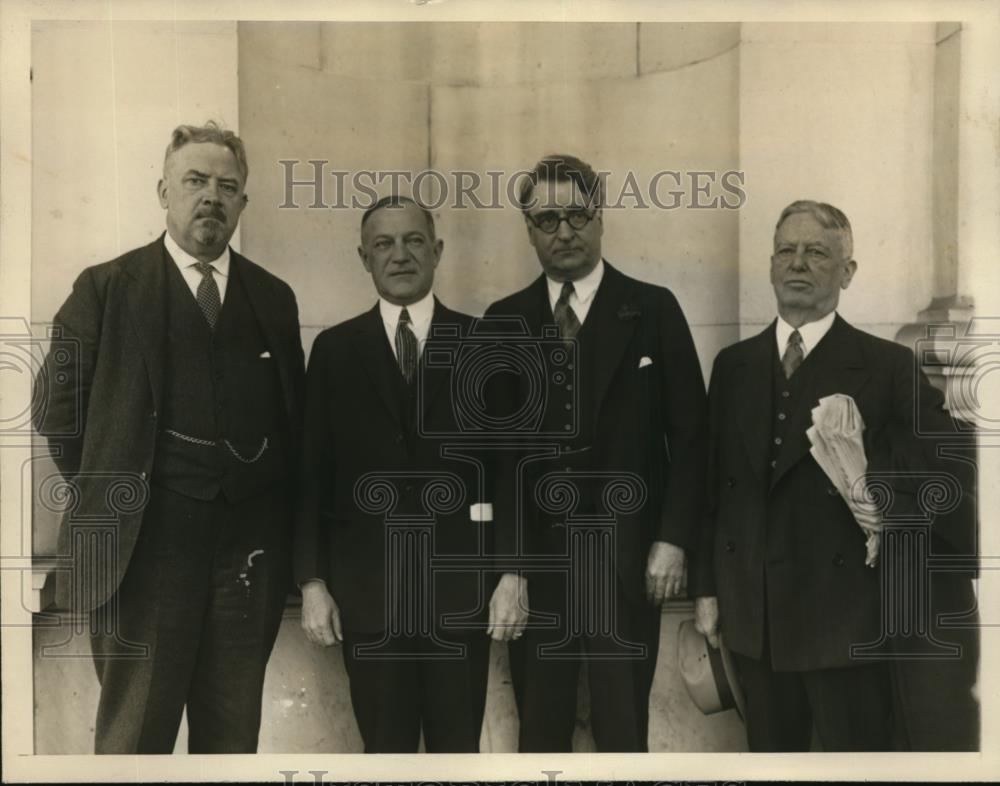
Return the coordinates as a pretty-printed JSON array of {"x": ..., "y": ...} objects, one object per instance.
[
  {"x": 265, "y": 354},
  {"x": 644, "y": 361}
]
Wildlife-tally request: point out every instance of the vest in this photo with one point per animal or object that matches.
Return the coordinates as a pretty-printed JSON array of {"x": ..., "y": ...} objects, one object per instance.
[
  {"x": 223, "y": 417},
  {"x": 785, "y": 395},
  {"x": 568, "y": 419}
]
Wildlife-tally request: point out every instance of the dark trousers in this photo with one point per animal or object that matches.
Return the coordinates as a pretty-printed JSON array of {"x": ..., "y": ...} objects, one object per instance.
[
  {"x": 192, "y": 624},
  {"x": 545, "y": 669},
  {"x": 850, "y": 707},
  {"x": 935, "y": 707},
  {"x": 406, "y": 684}
]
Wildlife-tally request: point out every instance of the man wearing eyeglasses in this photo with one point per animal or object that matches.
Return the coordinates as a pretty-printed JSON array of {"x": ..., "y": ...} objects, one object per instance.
[{"x": 630, "y": 417}]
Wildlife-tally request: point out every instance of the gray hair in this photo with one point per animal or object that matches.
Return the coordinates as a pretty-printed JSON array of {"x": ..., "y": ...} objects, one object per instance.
[
  {"x": 828, "y": 216},
  {"x": 210, "y": 132},
  {"x": 395, "y": 201}
]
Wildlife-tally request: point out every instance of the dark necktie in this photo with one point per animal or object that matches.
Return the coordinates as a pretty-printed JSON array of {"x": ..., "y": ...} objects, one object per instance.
[
  {"x": 406, "y": 346},
  {"x": 564, "y": 315},
  {"x": 208, "y": 294},
  {"x": 792, "y": 358}
]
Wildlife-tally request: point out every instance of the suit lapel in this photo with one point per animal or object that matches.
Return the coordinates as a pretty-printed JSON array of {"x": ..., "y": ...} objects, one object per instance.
[
  {"x": 613, "y": 333},
  {"x": 430, "y": 378},
  {"x": 146, "y": 282},
  {"x": 377, "y": 360},
  {"x": 838, "y": 367},
  {"x": 260, "y": 295},
  {"x": 541, "y": 312},
  {"x": 755, "y": 381}
]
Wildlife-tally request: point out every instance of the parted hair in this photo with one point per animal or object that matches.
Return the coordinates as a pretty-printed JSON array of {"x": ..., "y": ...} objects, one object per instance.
[{"x": 560, "y": 167}]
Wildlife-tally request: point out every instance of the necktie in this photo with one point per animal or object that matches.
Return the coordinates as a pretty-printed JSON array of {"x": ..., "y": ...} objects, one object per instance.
[
  {"x": 406, "y": 346},
  {"x": 208, "y": 294},
  {"x": 792, "y": 358},
  {"x": 564, "y": 315}
]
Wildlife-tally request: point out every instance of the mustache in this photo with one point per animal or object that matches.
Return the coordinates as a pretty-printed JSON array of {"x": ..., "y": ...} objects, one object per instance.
[{"x": 217, "y": 213}]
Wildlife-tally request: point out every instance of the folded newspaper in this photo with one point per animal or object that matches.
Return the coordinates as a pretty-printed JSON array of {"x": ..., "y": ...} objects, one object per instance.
[{"x": 836, "y": 439}]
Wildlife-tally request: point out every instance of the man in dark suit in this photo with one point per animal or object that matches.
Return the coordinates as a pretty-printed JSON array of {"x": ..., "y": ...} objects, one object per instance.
[
  {"x": 783, "y": 566},
  {"x": 620, "y": 442},
  {"x": 179, "y": 423},
  {"x": 383, "y": 497}
]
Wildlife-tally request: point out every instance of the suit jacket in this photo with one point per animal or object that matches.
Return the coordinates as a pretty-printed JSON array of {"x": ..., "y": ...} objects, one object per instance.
[
  {"x": 370, "y": 464},
  {"x": 820, "y": 597},
  {"x": 100, "y": 410},
  {"x": 647, "y": 418}
]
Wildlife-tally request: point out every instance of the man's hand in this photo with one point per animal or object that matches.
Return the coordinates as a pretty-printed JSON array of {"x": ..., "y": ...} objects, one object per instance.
[
  {"x": 320, "y": 615},
  {"x": 508, "y": 608},
  {"x": 666, "y": 572},
  {"x": 706, "y": 619}
]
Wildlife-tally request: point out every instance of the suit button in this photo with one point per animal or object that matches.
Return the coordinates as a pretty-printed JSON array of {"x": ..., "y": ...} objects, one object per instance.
[
  {"x": 142, "y": 475},
  {"x": 785, "y": 394},
  {"x": 568, "y": 427},
  {"x": 731, "y": 482},
  {"x": 774, "y": 463},
  {"x": 781, "y": 416},
  {"x": 152, "y": 415},
  {"x": 838, "y": 560},
  {"x": 567, "y": 406},
  {"x": 777, "y": 440},
  {"x": 730, "y": 546}
]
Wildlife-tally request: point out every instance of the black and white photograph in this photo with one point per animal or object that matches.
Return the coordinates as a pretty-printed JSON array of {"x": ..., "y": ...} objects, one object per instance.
[{"x": 606, "y": 390}]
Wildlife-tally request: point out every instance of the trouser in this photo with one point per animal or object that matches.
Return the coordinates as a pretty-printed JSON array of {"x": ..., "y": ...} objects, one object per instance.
[
  {"x": 400, "y": 685},
  {"x": 621, "y": 661},
  {"x": 192, "y": 625},
  {"x": 849, "y": 707},
  {"x": 935, "y": 703}
]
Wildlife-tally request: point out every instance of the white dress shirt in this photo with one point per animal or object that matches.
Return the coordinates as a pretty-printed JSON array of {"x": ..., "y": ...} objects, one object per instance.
[
  {"x": 583, "y": 291},
  {"x": 811, "y": 333},
  {"x": 420, "y": 313},
  {"x": 186, "y": 264}
]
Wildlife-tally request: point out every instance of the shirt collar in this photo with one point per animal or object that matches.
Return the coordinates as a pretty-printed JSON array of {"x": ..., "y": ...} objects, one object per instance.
[
  {"x": 184, "y": 260},
  {"x": 420, "y": 312},
  {"x": 584, "y": 287},
  {"x": 811, "y": 332}
]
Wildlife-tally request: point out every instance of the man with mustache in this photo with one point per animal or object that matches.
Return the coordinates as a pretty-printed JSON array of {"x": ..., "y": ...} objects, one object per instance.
[
  {"x": 626, "y": 413},
  {"x": 383, "y": 494},
  {"x": 187, "y": 392},
  {"x": 783, "y": 563}
]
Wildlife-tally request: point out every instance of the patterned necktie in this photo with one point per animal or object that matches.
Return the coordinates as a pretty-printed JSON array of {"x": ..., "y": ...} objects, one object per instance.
[
  {"x": 208, "y": 294},
  {"x": 792, "y": 358},
  {"x": 406, "y": 346},
  {"x": 564, "y": 315}
]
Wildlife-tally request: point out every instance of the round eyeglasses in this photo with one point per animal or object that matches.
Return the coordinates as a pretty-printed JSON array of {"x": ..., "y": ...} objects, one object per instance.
[{"x": 548, "y": 221}]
